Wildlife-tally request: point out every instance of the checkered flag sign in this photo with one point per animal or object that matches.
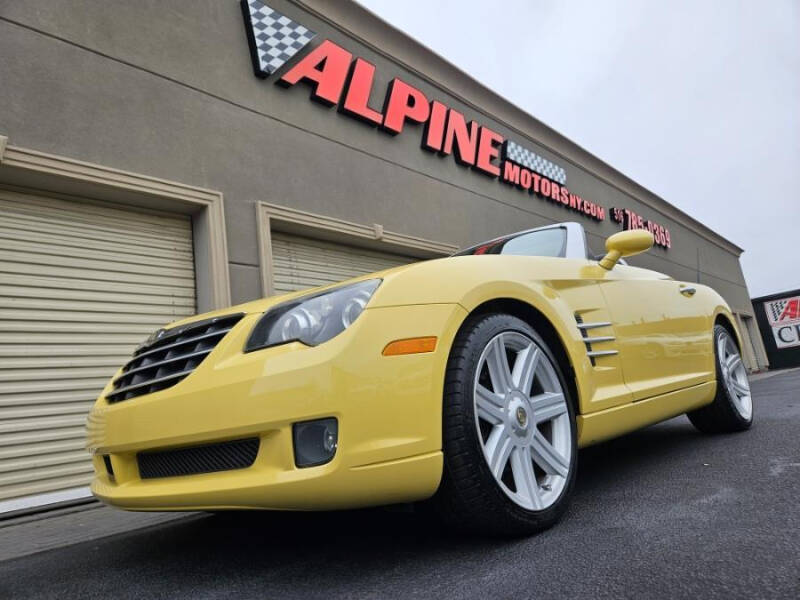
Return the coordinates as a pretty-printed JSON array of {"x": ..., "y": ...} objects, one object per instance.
[
  {"x": 776, "y": 309},
  {"x": 274, "y": 37},
  {"x": 528, "y": 158}
]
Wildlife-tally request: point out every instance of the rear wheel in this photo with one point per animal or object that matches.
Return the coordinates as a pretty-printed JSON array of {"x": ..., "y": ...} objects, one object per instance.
[
  {"x": 509, "y": 432},
  {"x": 732, "y": 408}
]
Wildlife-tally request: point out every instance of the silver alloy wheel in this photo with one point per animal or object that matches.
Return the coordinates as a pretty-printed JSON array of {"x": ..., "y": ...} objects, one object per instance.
[
  {"x": 734, "y": 375},
  {"x": 522, "y": 420}
]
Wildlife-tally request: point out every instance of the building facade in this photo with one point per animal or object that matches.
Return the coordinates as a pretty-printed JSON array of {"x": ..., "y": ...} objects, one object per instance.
[{"x": 162, "y": 159}]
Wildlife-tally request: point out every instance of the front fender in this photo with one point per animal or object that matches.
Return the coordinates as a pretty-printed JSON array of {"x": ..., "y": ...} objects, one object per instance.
[{"x": 473, "y": 281}]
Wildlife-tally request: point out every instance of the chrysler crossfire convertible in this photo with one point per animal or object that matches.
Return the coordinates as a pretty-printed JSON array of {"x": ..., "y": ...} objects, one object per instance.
[{"x": 467, "y": 383}]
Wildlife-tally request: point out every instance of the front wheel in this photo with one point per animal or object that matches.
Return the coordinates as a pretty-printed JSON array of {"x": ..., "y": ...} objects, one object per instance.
[
  {"x": 732, "y": 408},
  {"x": 509, "y": 435}
]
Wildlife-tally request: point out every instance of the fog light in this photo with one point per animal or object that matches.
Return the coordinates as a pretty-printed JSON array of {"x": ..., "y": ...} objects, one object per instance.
[{"x": 315, "y": 442}]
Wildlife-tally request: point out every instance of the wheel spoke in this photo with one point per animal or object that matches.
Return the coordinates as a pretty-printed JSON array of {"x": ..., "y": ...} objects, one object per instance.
[
  {"x": 524, "y": 477},
  {"x": 733, "y": 362},
  {"x": 721, "y": 348},
  {"x": 548, "y": 406},
  {"x": 525, "y": 368},
  {"x": 497, "y": 363},
  {"x": 547, "y": 457},
  {"x": 490, "y": 405},
  {"x": 498, "y": 448},
  {"x": 740, "y": 387}
]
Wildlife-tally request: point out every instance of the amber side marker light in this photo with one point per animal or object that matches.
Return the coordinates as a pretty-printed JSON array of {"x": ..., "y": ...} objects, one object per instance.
[{"x": 410, "y": 346}]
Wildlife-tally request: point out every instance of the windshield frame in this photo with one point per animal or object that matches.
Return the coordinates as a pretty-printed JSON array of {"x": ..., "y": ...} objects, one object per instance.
[{"x": 575, "y": 245}]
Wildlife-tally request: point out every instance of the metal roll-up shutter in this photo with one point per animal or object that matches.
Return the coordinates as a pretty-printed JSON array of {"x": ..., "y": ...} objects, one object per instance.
[
  {"x": 81, "y": 284},
  {"x": 299, "y": 262}
]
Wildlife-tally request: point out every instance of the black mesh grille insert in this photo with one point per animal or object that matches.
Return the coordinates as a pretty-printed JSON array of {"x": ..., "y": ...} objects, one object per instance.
[
  {"x": 172, "y": 356},
  {"x": 210, "y": 458}
]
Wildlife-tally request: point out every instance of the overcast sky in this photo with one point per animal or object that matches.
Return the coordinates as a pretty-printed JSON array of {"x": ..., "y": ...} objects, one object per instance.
[{"x": 699, "y": 101}]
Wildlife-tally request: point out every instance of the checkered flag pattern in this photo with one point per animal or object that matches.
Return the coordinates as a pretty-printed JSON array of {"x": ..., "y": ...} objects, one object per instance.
[
  {"x": 275, "y": 37},
  {"x": 776, "y": 309},
  {"x": 528, "y": 158}
]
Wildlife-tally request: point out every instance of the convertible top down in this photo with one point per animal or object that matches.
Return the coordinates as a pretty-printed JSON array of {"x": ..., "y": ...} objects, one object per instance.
[{"x": 468, "y": 382}]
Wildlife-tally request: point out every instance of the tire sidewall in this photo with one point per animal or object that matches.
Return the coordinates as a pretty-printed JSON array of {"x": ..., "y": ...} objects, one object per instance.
[{"x": 487, "y": 328}]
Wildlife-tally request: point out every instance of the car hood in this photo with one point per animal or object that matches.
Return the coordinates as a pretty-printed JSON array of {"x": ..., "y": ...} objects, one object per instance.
[{"x": 263, "y": 304}]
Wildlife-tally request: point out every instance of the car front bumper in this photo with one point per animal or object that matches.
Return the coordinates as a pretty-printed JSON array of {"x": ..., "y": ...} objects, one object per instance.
[{"x": 388, "y": 410}]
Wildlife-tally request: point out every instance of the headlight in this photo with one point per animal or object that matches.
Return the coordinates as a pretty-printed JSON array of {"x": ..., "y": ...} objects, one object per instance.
[{"x": 314, "y": 319}]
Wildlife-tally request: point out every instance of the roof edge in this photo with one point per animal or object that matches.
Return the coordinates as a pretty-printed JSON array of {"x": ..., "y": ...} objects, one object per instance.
[
  {"x": 359, "y": 22},
  {"x": 776, "y": 296}
]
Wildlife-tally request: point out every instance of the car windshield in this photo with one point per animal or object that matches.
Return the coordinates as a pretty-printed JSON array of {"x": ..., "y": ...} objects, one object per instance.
[{"x": 545, "y": 242}]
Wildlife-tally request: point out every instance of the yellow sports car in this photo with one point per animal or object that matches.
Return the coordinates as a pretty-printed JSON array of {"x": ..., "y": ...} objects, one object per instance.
[{"x": 469, "y": 381}]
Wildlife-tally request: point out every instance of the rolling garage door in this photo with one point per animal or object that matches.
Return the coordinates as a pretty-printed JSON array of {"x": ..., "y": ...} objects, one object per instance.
[
  {"x": 80, "y": 286},
  {"x": 300, "y": 262}
]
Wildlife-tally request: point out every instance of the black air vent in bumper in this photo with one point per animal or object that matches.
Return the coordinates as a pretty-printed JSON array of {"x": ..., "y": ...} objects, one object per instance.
[
  {"x": 209, "y": 458},
  {"x": 170, "y": 357}
]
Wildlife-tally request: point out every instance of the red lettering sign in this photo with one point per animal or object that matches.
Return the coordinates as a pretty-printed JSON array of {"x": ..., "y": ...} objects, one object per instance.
[
  {"x": 356, "y": 100},
  {"x": 404, "y": 103},
  {"x": 325, "y": 68}
]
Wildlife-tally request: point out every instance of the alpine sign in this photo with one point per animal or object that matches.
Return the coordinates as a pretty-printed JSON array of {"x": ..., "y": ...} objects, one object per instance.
[{"x": 339, "y": 79}]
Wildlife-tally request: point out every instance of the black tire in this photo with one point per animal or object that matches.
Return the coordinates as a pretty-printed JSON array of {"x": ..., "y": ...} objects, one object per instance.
[
  {"x": 722, "y": 415},
  {"x": 469, "y": 498}
]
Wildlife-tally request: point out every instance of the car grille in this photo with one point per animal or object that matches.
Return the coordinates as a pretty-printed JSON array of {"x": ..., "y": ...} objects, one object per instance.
[
  {"x": 210, "y": 458},
  {"x": 163, "y": 362}
]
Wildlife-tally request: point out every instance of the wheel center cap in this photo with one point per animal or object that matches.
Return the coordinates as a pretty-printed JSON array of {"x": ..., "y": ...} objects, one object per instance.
[
  {"x": 522, "y": 417},
  {"x": 518, "y": 418}
]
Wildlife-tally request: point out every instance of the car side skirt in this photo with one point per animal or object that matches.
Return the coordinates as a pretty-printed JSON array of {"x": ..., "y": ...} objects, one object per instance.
[{"x": 619, "y": 420}]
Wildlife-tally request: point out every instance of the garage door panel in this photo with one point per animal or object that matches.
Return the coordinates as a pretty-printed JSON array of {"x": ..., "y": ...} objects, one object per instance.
[
  {"x": 148, "y": 315},
  {"x": 49, "y": 410},
  {"x": 69, "y": 351},
  {"x": 21, "y": 425},
  {"x": 45, "y": 257},
  {"x": 69, "y": 338},
  {"x": 69, "y": 234},
  {"x": 21, "y": 235},
  {"x": 37, "y": 475},
  {"x": 32, "y": 462},
  {"x": 48, "y": 447},
  {"x": 12, "y": 440},
  {"x": 81, "y": 285},
  {"x": 85, "y": 288},
  {"x": 22, "y": 387},
  {"x": 11, "y": 298},
  {"x": 93, "y": 215},
  {"x": 74, "y": 251},
  {"x": 38, "y": 398},
  {"x": 9, "y": 375},
  {"x": 142, "y": 329},
  {"x": 301, "y": 262},
  {"x": 55, "y": 362},
  {"x": 120, "y": 275},
  {"x": 92, "y": 229},
  {"x": 46, "y": 485}
]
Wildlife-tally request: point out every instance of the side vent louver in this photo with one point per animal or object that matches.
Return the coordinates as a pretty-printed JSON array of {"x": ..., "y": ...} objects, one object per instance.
[{"x": 591, "y": 338}]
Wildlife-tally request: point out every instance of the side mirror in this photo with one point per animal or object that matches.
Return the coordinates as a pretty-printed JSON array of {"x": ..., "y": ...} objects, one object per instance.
[{"x": 626, "y": 243}]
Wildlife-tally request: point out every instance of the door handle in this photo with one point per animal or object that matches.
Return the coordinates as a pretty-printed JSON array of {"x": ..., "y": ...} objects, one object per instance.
[{"x": 688, "y": 291}]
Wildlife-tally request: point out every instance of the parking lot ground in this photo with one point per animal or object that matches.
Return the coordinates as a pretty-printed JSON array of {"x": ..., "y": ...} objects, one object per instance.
[{"x": 665, "y": 512}]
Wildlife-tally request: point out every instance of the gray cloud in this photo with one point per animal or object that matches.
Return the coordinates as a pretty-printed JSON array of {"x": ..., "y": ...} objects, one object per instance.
[{"x": 698, "y": 101}]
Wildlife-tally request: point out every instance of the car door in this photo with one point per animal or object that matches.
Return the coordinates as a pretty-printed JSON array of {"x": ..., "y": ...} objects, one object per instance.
[{"x": 662, "y": 333}]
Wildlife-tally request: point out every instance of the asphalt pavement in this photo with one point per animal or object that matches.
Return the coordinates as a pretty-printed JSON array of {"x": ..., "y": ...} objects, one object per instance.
[{"x": 665, "y": 512}]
